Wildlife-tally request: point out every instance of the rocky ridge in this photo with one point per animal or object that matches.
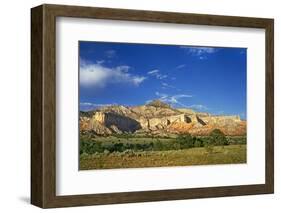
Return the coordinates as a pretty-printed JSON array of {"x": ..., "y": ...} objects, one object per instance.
[{"x": 157, "y": 118}]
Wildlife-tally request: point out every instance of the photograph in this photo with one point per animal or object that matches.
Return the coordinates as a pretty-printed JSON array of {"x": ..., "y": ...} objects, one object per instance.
[
  {"x": 161, "y": 105},
  {"x": 140, "y": 105}
]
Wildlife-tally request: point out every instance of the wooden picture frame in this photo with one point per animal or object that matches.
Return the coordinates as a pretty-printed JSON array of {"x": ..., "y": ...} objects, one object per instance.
[{"x": 43, "y": 105}]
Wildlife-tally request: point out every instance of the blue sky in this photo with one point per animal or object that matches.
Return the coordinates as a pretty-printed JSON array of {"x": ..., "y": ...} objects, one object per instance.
[{"x": 208, "y": 79}]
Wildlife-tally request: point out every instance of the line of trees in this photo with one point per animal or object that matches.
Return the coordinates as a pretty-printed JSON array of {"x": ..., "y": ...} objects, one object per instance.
[{"x": 184, "y": 141}]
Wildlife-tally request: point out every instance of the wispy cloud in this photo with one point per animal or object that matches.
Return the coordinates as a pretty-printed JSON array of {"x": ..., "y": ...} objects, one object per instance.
[
  {"x": 180, "y": 66},
  {"x": 198, "y": 107},
  {"x": 161, "y": 76},
  {"x": 94, "y": 105},
  {"x": 98, "y": 75},
  {"x": 87, "y": 106},
  {"x": 153, "y": 72},
  {"x": 100, "y": 61},
  {"x": 83, "y": 62},
  {"x": 172, "y": 99},
  {"x": 200, "y": 52},
  {"x": 123, "y": 68},
  {"x": 157, "y": 74},
  {"x": 165, "y": 85}
]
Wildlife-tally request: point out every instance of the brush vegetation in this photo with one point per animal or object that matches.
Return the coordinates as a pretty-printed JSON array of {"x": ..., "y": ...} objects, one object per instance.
[{"x": 137, "y": 151}]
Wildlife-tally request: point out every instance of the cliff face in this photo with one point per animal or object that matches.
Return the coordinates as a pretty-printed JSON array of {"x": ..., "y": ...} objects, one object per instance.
[{"x": 160, "y": 119}]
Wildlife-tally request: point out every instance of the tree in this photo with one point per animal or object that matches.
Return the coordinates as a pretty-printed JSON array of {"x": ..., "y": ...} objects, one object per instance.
[
  {"x": 197, "y": 142},
  {"x": 185, "y": 141},
  {"x": 217, "y": 137},
  {"x": 158, "y": 146}
]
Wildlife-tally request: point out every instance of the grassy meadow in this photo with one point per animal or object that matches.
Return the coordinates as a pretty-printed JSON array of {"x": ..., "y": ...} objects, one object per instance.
[
  {"x": 194, "y": 156},
  {"x": 138, "y": 151}
]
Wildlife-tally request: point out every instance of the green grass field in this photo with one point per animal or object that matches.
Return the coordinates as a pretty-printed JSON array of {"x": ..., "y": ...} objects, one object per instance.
[{"x": 231, "y": 154}]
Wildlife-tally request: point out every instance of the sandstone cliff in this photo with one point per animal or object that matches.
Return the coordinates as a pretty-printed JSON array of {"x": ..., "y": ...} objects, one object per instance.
[{"x": 159, "y": 118}]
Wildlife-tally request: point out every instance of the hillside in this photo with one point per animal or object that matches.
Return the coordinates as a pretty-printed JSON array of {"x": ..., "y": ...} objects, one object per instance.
[{"x": 157, "y": 118}]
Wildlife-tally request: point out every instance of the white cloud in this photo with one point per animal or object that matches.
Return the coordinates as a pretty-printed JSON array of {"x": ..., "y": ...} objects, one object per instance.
[
  {"x": 172, "y": 99},
  {"x": 124, "y": 68},
  {"x": 97, "y": 75},
  {"x": 200, "y": 52},
  {"x": 162, "y": 96},
  {"x": 168, "y": 86},
  {"x": 156, "y": 73},
  {"x": 87, "y": 106},
  {"x": 165, "y": 84},
  {"x": 160, "y": 77},
  {"x": 153, "y": 72},
  {"x": 138, "y": 80},
  {"x": 83, "y": 62},
  {"x": 180, "y": 66},
  {"x": 198, "y": 107},
  {"x": 100, "y": 61}
]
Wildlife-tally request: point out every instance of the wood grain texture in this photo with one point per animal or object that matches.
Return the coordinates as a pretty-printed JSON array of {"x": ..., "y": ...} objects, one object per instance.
[
  {"x": 269, "y": 105},
  {"x": 36, "y": 106},
  {"x": 43, "y": 105}
]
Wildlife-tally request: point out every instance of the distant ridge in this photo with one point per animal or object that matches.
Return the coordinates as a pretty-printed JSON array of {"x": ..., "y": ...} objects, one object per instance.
[{"x": 157, "y": 118}]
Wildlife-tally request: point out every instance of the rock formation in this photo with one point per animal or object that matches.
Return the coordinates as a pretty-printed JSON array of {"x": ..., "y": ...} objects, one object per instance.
[{"x": 157, "y": 117}]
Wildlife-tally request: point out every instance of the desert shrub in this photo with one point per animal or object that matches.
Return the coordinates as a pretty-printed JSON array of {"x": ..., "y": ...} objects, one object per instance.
[
  {"x": 90, "y": 147},
  {"x": 198, "y": 143},
  {"x": 150, "y": 146},
  {"x": 172, "y": 145},
  {"x": 97, "y": 147},
  {"x": 176, "y": 145},
  {"x": 106, "y": 152},
  {"x": 119, "y": 147},
  {"x": 185, "y": 141},
  {"x": 108, "y": 146},
  {"x": 147, "y": 147},
  {"x": 194, "y": 139},
  {"x": 205, "y": 143},
  {"x": 129, "y": 153},
  {"x": 242, "y": 140},
  {"x": 84, "y": 154},
  {"x": 237, "y": 140},
  {"x": 217, "y": 137},
  {"x": 140, "y": 146},
  {"x": 157, "y": 146}
]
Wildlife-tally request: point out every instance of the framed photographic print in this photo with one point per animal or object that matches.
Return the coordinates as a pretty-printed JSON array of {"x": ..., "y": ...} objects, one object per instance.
[{"x": 137, "y": 106}]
